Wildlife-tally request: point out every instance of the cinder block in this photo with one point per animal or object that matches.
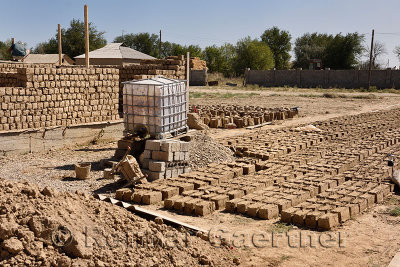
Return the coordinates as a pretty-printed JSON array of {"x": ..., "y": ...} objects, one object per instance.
[
  {"x": 185, "y": 146},
  {"x": 177, "y": 156},
  {"x": 162, "y": 156},
  {"x": 152, "y": 176},
  {"x": 153, "y": 145},
  {"x": 156, "y": 166}
]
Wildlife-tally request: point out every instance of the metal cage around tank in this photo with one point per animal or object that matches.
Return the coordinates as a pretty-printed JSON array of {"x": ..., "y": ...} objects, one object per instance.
[{"x": 160, "y": 105}]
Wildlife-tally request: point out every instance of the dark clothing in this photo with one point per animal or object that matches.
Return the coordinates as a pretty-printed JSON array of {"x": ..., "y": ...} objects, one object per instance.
[{"x": 18, "y": 50}]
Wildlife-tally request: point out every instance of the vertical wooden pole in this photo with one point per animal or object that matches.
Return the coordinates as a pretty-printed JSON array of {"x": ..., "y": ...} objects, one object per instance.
[
  {"x": 187, "y": 69},
  {"x": 59, "y": 46},
  {"x": 160, "y": 49},
  {"x": 86, "y": 37},
  {"x": 370, "y": 60},
  {"x": 12, "y": 41}
]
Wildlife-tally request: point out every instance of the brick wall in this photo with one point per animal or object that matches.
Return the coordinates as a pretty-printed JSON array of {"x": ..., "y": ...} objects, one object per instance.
[{"x": 59, "y": 97}]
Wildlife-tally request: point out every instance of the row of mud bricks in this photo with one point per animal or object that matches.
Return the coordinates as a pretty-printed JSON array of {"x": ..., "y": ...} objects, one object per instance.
[
  {"x": 304, "y": 184},
  {"x": 221, "y": 116}
]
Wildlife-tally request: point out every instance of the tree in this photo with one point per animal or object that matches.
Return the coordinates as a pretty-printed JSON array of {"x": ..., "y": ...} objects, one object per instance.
[
  {"x": 397, "y": 52},
  {"x": 252, "y": 54},
  {"x": 73, "y": 40},
  {"x": 336, "y": 52},
  {"x": 310, "y": 46},
  {"x": 279, "y": 43},
  {"x": 143, "y": 42},
  {"x": 343, "y": 52},
  {"x": 377, "y": 51},
  {"x": 4, "y": 46}
]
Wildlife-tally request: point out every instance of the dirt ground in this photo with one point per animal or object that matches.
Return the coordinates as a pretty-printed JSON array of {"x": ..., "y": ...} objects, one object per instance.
[{"x": 367, "y": 240}]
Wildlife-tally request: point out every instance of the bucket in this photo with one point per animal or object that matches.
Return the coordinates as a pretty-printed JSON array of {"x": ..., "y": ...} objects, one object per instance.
[{"x": 82, "y": 170}]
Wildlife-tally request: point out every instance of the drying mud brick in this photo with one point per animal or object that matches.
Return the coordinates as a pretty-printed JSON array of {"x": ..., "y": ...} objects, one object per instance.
[
  {"x": 204, "y": 208},
  {"x": 152, "y": 198}
]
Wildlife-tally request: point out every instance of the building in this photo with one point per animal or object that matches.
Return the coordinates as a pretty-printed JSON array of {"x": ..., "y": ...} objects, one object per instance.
[
  {"x": 113, "y": 54},
  {"x": 47, "y": 59}
]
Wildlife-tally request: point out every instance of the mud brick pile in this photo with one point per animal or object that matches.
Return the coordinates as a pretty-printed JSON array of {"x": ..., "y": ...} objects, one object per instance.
[
  {"x": 9, "y": 79},
  {"x": 59, "y": 97},
  {"x": 165, "y": 159},
  {"x": 197, "y": 64},
  {"x": 221, "y": 116}
]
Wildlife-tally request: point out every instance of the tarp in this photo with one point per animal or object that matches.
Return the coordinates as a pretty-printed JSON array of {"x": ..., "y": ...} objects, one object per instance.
[{"x": 18, "y": 50}]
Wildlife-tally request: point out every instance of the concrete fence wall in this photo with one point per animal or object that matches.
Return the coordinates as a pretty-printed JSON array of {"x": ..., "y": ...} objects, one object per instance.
[{"x": 324, "y": 78}]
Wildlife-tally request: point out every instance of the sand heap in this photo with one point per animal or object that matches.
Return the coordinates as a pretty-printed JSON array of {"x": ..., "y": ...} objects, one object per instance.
[{"x": 43, "y": 227}]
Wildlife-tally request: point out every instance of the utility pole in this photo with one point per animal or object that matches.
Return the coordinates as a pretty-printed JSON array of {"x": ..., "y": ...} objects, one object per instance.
[
  {"x": 86, "y": 36},
  {"x": 159, "y": 49},
  {"x": 59, "y": 46},
  {"x": 187, "y": 70},
  {"x": 370, "y": 60},
  {"x": 12, "y": 41}
]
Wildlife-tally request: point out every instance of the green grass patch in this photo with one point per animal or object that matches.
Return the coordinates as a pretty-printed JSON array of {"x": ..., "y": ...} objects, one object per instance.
[
  {"x": 280, "y": 227},
  {"x": 395, "y": 212},
  {"x": 336, "y": 95}
]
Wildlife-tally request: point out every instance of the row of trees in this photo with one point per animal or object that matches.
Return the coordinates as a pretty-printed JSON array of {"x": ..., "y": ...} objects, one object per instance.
[{"x": 270, "y": 50}]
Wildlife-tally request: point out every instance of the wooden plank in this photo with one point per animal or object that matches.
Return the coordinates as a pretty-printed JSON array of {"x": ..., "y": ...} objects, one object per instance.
[
  {"x": 86, "y": 37},
  {"x": 258, "y": 125},
  {"x": 59, "y": 46}
]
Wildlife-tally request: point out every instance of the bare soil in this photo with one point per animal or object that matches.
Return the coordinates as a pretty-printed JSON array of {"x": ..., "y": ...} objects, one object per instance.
[{"x": 369, "y": 239}]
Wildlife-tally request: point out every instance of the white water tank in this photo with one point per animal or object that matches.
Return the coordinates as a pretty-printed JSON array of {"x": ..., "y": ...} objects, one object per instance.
[{"x": 158, "y": 105}]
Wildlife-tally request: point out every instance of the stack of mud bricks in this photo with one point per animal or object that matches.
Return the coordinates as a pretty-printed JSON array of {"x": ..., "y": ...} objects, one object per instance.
[
  {"x": 220, "y": 116},
  {"x": 165, "y": 159},
  {"x": 59, "y": 97}
]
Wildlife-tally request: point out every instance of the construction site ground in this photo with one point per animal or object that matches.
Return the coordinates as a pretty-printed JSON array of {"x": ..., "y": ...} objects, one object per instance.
[{"x": 368, "y": 239}]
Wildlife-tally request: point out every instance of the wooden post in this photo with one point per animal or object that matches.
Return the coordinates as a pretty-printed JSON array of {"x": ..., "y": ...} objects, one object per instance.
[
  {"x": 12, "y": 41},
  {"x": 187, "y": 69},
  {"x": 86, "y": 37},
  {"x": 59, "y": 46},
  {"x": 370, "y": 60},
  {"x": 160, "y": 49}
]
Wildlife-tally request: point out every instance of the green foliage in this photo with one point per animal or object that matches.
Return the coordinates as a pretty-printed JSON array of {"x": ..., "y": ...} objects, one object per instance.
[
  {"x": 279, "y": 43},
  {"x": 336, "y": 52},
  {"x": 73, "y": 40},
  {"x": 220, "y": 59},
  {"x": 397, "y": 52},
  {"x": 4, "y": 46},
  {"x": 144, "y": 42},
  {"x": 252, "y": 54},
  {"x": 395, "y": 212}
]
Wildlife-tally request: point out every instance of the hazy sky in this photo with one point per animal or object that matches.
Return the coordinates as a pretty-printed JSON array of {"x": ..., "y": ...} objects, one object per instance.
[{"x": 206, "y": 22}]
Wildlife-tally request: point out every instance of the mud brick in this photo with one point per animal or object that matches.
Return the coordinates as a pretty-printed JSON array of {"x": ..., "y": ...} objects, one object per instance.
[
  {"x": 184, "y": 186},
  {"x": 220, "y": 201},
  {"x": 137, "y": 196},
  {"x": 253, "y": 208},
  {"x": 362, "y": 203},
  {"x": 249, "y": 189},
  {"x": 322, "y": 187},
  {"x": 334, "y": 197},
  {"x": 152, "y": 198},
  {"x": 169, "y": 192},
  {"x": 299, "y": 217},
  {"x": 354, "y": 209},
  {"x": 162, "y": 156},
  {"x": 209, "y": 196},
  {"x": 179, "y": 204},
  {"x": 268, "y": 211},
  {"x": 370, "y": 199},
  {"x": 235, "y": 194},
  {"x": 354, "y": 194},
  {"x": 312, "y": 217},
  {"x": 153, "y": 176},
  {"x": 344, "y": 213},
  {"x": 231, "y": 205},
  {"x": 237, "y": 171},
  {"x": 328, "y": 221},
  {"x": 156, "y": 166},
  {"x": 283, "y": 204},
  {"x": 287, "y": 215},
  {"x": 294, "y": 199},
  {"x": 386, "y": 188},
  {"x": 249, "y": 169},
  {"x": 190, "y": 206},
  {"x": 127, "y": 196},
  {"x": 378, "y": 194},
  {"x": 153, "y": 145},
  {"x": 204, "y": 208},
  {"x": 325, "y": 208},
  {"x": 169, "y": 203},
  {"x": 120, "y": 192},
  {"x": 242, "y": 206},
  {"x": 197, "y": 184},
  {"x": 332, "y": 183}
]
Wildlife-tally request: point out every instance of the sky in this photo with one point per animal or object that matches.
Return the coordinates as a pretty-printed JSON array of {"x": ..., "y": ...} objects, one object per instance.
[{"x": 207, "y": 22}]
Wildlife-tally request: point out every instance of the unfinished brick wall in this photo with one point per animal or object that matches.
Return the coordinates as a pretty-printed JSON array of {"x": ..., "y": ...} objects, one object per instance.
[{"x": 59, "y": 97}]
